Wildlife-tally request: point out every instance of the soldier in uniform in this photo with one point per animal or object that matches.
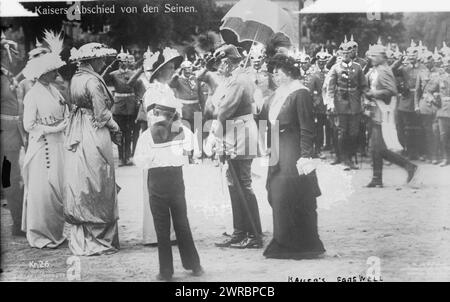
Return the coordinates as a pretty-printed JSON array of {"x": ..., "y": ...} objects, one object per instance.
[
  {"x": 443, "y": 113},
  {"x": 408, "y": 125},
  {"x": 12, "y": 138},
  {"x": 125, "y": 104},
  {"x": 355, "y": 57},
  {"x": 346, "y": 86},
  {"x": 383, "y": 88},
  {"x": 235, "y": 113},
  {"x": 426, "y": 85},
  {"x": 189, "y": 90},
  {"x": 315, "y": 84}
]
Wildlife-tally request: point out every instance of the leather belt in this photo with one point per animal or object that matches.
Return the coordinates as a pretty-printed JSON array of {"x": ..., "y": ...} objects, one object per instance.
[
  {"x": 123, "y": 95},
  {"x": 189, "y": 102}
]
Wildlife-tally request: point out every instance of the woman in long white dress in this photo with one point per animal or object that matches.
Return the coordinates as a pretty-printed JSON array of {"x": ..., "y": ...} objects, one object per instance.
[{"x": 45, "y": 119}]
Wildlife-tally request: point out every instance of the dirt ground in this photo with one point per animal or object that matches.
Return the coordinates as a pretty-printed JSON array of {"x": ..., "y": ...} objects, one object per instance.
[{"x": 407, "y": 229}]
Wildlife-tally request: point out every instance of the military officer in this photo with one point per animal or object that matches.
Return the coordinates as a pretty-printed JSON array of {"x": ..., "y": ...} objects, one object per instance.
[
  {"x": 408, "y": 124},
  {"x": 346, "y": 86},
  {"x": 125, "y": 104},
  {"x": 443, "y": 113}
]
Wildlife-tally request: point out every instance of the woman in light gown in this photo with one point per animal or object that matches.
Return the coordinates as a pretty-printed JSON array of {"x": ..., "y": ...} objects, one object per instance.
[
  {"x": 45, "y": 119},
  {"x": 91, "y": 192}
]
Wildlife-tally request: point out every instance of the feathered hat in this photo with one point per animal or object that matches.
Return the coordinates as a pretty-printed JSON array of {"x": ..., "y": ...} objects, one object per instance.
[
  {"x": 90, "y": 51},
  {"x": 48, "y": 61},
  {"x": 38, "y": 50}
]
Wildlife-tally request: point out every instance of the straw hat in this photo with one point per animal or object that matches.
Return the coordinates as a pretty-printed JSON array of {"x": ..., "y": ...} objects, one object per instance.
[
  {"x": 157, "y": 60},
  {"x": 91, "y": 50}
]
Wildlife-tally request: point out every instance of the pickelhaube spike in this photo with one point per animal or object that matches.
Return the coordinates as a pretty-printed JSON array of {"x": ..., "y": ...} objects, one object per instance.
[
  {"x": 379, "y": 41},
  {"x": 436, "y": 50},
  {"x": 412, "y": 43},
  {"x": 351, "y": 38},
  {"x": 345, "y": 39},
  {"x": 444, "y": 44},
  {"x": 121, "y": 49},
  {"x": 3, "y": 35}
]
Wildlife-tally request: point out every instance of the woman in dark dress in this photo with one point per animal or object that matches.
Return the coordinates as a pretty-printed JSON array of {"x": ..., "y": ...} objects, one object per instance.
[{"x": 292, "y": 194}]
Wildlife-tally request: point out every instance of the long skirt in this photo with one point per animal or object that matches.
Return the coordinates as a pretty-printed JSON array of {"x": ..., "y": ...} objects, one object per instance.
[
  {"x": 91, "y": 192},
  {"x": 43, "y": 217},
  {"x": 293, "y": 201}
]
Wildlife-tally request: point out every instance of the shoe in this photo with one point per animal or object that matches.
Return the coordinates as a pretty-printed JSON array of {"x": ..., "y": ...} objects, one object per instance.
[
  {"x": 18, "y": 233},
  {"x": 349, "y": 165},
  {"x": 162, "y": 277},
  {"x": 122, "y": 163},
  {"x": 336, "y": 162},
  {"x": 197, "y": 272},
  {"x": 435, "y": 162},
  {"x": 235, "y": 238},
  {"x": 422, "y": 158},
  {"x": 375, "y": 183},
  {"x": 445, "y": 163},
  {"x": 251, "y": 242},
  {"x": 411, "y": 172},
  {"x": 130, "y": 163}
]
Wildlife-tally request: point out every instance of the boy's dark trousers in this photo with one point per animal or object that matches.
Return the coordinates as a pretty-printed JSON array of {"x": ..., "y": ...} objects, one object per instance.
[{"x": 167, "y": 199}]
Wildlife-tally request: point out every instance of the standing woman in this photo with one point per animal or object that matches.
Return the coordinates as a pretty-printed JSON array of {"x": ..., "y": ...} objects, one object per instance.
[
  {"x": 45, "y": 119},
  {"x": 91, "y": 193},
  {"x": 291, "y": 194}
]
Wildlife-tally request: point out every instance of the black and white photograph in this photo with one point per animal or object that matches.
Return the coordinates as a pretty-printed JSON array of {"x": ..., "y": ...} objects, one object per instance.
[{"x": 225, "y": 141}]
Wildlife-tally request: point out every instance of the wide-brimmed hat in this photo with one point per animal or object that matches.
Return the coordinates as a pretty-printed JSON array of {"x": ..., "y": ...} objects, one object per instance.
[
  {"x": 228, "y": 51},
  {"x": 45, "y": 59},
  {"x": 91, "y": 50},
  {"x": 159, "y": 59}
]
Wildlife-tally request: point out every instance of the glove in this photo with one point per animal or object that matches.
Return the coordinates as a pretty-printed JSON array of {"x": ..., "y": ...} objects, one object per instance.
[
  {"x": 116, "y": 137},
  {"x": 306, "y": 165}
]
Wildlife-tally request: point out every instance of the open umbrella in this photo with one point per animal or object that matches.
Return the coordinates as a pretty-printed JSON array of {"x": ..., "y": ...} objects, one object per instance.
[{"x": 251, "y": 21}]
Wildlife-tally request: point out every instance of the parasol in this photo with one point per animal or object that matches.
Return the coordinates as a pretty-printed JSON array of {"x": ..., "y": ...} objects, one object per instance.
[{"x": 251, "y": 21}]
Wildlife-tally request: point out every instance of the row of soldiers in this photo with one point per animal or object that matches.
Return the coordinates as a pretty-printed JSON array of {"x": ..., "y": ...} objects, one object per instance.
[{"x": 337, "y": 83}]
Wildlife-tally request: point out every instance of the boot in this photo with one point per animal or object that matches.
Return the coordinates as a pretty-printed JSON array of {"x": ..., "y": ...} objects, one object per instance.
[
  {"x": 402, "y": 162},
  {"x": 375, "y": 183},
  {"x": 411, "y": 172},
  {"x": 444, "y": 163}
]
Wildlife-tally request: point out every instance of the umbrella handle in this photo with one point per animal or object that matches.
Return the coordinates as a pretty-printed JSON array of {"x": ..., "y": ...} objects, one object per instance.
[{"x": 253, "y": 43}]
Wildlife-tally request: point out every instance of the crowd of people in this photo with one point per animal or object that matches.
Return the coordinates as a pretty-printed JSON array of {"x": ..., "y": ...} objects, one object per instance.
[{"x": 166, "y": 107}]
